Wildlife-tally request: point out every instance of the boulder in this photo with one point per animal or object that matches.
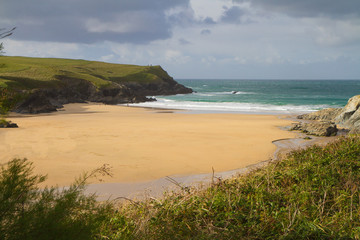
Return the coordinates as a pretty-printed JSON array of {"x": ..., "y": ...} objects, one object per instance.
[
  {"x": 349, "y": 117},
  {"x": 7, "y": 124},
  {"x": 327, "y": 114},
  {"x": 316, "y": 128}
]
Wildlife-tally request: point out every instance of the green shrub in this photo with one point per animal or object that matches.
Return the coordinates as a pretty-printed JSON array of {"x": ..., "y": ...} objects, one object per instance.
[
  {"x": 8, "y": 100},
  {"x": 28, "y": 212}
]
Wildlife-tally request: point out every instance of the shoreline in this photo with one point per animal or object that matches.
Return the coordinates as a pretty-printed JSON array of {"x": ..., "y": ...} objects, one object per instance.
[
  {"x": 213, "y": 111},
  {"x": 156, "y": 188},
  {"x": 201, "y": 130}
]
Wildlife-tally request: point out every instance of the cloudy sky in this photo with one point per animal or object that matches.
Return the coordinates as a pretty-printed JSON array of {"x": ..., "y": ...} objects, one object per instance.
[{"x": 241, "y": 39}]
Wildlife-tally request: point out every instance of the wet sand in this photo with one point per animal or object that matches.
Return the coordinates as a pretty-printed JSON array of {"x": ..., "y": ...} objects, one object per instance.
[{"x": 139, "y": 144}]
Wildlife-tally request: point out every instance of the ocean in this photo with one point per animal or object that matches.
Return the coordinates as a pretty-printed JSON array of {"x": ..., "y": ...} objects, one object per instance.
[{"x": 259, "y": 96}]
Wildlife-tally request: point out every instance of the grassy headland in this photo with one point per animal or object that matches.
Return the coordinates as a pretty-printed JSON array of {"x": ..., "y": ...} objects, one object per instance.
[
  {"x": 29, "y": 73},
  {"x": 45, "y": 84}
]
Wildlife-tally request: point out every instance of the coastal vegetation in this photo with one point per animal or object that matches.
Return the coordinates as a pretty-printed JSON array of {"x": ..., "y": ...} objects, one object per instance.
[
  {"x": 8, "y": 100},
  {"x": 311, "y": 194},
  {"x": 28, "y": 212}
]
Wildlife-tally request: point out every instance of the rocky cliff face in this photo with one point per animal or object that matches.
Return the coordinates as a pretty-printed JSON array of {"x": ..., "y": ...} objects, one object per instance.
[
  {"x": 327, "y": 114},
  {"x": 347, "y": 117},
  {"x": 78, "y": 91}
]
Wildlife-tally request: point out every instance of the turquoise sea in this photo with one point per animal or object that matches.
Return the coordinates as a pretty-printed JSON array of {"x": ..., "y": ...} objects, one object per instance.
[{"x": 260, "y": 96}]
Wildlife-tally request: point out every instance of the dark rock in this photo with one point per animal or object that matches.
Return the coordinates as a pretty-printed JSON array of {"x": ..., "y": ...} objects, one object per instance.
[
  {"x": 39, "y": 101},
  {"x": 74, "y": 90},
  {"x": 162, "y": 88},
  {"x": 8, "y": 124},
  {"x": 316, "y": 128}
]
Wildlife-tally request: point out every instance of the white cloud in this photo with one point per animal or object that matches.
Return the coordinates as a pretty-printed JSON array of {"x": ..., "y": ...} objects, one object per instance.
[
  {"x": 119, "y": 26},
  {"x": 108, "y": 58},
  {"x": 336, "y": 33},
  {"x": 206, "y": 8},
  {"x": 41, "y": 49}
]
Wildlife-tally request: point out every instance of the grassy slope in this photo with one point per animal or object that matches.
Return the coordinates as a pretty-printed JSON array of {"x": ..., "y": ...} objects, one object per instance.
[
  {"x": 29, "y": 73},
  {"x": 313, "y": 194}
]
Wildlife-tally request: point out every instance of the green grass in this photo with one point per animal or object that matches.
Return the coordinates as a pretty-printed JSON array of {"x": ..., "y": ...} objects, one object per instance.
[
  {"x": 29, "y": 73},
  {"x": 312, "y": 194}
]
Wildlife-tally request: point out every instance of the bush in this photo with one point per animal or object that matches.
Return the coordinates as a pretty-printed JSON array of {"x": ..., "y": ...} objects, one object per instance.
[
  {"x": 28, "y": 212},
  {"x": 8, "y": 100}
]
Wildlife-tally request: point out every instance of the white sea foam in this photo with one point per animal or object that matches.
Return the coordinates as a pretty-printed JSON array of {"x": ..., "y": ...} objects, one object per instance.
[
  {"x": 229, "y": 107},
  {"x": 231, "y": 92},
  {"x": 211, "y": 94}
]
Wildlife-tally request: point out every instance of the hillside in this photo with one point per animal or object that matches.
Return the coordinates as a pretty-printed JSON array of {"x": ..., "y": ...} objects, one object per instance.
[{"x": 48, "y": 83}]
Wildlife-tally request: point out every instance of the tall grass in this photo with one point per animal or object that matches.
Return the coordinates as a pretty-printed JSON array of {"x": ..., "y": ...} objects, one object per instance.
[{"x": 312, "y": 194}]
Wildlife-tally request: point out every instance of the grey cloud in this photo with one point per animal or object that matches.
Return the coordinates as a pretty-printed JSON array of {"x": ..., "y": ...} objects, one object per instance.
[
  {"x": 88, "y": 21},
  {"x": 182, "y": 17},
  {"x": 186, "y": 17},
  {"x": 209, "y": 20},
  {"x": 233, "y": 15},
  {"x": 310, "y": 8},
  {"x": 205, "y": 32},
  {"x": 183, "y": 41}
]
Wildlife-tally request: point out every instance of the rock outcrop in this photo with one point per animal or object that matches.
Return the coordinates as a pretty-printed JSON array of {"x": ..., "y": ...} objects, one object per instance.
[
  {"x": 327, "y": 114},
  {"x": 79, "y": 91},
  {"x": 7, "y": 124},
  {"x": 347, "y": 117},
  {"x": 317, "y": 128}
]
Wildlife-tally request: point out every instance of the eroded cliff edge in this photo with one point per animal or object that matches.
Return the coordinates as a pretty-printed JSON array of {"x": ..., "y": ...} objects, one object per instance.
[{"x": 43, "y": 100}]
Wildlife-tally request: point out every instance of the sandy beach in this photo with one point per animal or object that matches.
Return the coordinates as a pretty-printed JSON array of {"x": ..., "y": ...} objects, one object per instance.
[{"x": 138, "y": 144}]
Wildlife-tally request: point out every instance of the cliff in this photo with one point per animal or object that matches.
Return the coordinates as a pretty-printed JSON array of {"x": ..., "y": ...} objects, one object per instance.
[{"x": 47, "y": 83}]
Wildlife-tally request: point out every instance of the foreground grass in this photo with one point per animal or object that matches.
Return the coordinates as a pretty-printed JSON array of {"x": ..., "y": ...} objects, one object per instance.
[
  {"x": 28, "y": 212},
  {"x": 313, "y": 194},
  {"x": 29, "y": 73}
]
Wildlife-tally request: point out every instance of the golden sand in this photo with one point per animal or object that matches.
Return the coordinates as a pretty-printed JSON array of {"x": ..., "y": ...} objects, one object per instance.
[{"x": 139, "y": 144}]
